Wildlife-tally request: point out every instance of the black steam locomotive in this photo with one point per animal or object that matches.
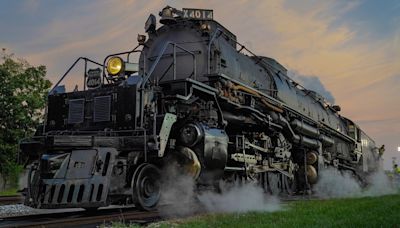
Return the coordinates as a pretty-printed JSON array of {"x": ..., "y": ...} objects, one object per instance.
[{"x": 195, "y": 99}]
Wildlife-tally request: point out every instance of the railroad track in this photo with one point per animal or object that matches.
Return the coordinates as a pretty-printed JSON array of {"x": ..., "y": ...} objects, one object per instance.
[
  {"x": 102, "y": 216},
  {"x": 7, "y": 200},
  {"x": 81, "y": 218}
]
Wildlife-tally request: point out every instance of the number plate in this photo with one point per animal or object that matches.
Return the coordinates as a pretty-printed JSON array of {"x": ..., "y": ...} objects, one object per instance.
[
  {"x": 93, "y": 78},
  {"x": 198, "y": 14}
]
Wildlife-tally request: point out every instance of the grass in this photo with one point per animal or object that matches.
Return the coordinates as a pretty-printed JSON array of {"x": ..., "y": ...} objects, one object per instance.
[
  {"x": 9, "y": 192},
  {"x": 381, "y": 211}
]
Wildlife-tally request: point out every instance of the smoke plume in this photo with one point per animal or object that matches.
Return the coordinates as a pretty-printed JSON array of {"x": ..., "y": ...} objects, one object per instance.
[{"x": 312, "y": 83}]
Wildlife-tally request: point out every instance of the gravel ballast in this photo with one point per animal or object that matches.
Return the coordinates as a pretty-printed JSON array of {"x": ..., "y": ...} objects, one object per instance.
[
  {"x": 21, "y": 210},
  {"x": 17, "y": 210}
]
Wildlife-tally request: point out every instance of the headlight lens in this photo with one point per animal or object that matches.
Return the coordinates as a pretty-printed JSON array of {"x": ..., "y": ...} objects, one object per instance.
[{"x": 115, "y": 65}]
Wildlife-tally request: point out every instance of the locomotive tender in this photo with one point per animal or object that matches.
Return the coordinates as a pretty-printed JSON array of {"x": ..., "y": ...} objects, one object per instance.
[{"x": 197, "y": 100}]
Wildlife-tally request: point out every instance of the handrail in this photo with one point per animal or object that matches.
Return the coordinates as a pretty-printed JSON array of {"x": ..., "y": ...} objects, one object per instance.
[
  {"x": 71, "y": 67},
  {"x": 146, "y": 77},
  {"x": 236, "y": 42},
  {"x": 209, "y": 48},
  {"x": 163, "y": 50}
]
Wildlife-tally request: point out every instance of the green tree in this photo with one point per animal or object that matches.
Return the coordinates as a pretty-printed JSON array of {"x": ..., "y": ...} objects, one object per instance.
[{"x": 22, "y": 100}]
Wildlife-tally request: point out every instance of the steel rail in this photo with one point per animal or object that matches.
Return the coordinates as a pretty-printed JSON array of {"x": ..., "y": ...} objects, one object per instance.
[
  {"x": 14, "y": 199},
  {"x": 81, "y": 218}
]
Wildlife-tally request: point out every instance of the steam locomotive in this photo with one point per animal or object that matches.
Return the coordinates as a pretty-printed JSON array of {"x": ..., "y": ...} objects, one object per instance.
[{"x": 195, "y": 99}]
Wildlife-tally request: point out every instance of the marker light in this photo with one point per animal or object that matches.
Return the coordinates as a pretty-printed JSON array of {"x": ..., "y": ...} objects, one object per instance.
[{"x": 115, "y": 65}]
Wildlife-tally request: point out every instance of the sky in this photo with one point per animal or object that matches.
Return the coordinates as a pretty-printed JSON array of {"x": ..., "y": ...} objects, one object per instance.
[{"x": 348, "y": 50}]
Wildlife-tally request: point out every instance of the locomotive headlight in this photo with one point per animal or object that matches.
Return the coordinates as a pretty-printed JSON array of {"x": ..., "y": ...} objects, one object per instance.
[{"x": 115, "y": 65}]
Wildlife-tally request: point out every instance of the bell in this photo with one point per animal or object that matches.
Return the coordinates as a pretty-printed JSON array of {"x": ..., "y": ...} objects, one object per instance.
[{"x": 167, "y": 17}]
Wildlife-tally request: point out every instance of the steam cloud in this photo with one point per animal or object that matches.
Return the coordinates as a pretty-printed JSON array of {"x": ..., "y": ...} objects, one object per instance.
[
  {"x": 334, "y": 184},
  {"x": 178, "y": 194},
  {"x": 240, "y": 199},
  {"x": 180, "y": 198},
  {"x": 312, "y": 83}
]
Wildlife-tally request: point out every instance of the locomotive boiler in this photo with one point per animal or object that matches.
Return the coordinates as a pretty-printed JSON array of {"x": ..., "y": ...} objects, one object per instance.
[{"x": 196, "y": 100}]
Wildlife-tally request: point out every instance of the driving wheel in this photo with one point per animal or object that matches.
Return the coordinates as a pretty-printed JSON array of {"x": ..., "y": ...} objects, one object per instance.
[
  {"x": 146, "y": 188},
  {"x": 274, "y": 182}
]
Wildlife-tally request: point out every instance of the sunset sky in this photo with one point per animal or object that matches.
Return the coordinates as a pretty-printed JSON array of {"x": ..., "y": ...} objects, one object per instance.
[{"x": 351, "y": 47}]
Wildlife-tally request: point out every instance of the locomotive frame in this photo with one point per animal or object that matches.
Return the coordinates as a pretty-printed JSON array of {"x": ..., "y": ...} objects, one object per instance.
[{"x": 197, "y": 100}]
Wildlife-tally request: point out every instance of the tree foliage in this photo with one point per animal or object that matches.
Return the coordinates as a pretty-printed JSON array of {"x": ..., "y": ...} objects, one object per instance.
[{"x": 22, "y": 100}]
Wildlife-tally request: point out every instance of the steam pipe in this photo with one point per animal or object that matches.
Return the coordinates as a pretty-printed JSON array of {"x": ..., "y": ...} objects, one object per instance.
[
  {"x": 311, "y": 131},
  {"x": 298, "y": 139},
  {"x": 237, "y": 118},
  {"x": 305, "y": 128},
  {"x": 279, "y": 118},
  {"x": 263, "y": 100},
  {"x": 309, "y": 142},
  {"x": 326, "y": 141}
]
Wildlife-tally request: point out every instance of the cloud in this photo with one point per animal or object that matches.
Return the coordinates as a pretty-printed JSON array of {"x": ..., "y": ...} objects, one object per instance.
[{"x": 91, "y": 32}]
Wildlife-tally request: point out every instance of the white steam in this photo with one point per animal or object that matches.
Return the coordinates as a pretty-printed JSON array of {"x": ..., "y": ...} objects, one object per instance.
[
  {"x": 380, "y": 185},
  {"x": 180, "y": 198},
  {"x": 334, "y": 184},
  {"x": 178, "y": 194},
  {"x": 240, "y": 198}
]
